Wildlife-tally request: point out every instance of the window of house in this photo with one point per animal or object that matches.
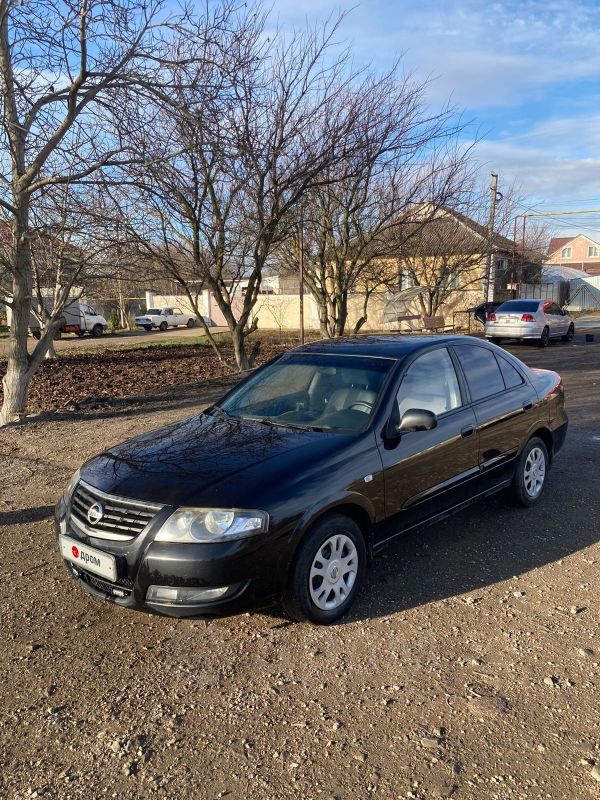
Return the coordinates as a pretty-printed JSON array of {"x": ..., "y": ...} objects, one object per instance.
[
  {"x": 565, "y": 252},
  {"x": 592, "y": 251},
  {"x": 406, "y": 280}
]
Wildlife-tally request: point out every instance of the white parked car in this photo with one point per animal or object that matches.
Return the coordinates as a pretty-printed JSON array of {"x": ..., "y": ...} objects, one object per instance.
[
  {"x": 529, "y": 319},
  {"x": 163, "y": 318}
]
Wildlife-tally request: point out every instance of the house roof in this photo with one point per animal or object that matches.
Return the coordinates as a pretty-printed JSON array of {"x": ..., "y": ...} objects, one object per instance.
[
  {"x": 558, "y": 242},
  {"x": 446, "y": 228}
]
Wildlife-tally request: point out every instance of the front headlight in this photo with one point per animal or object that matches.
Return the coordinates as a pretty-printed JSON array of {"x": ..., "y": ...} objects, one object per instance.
[
  {"x": 211, "y": 525},
  {"x": 70, "y": 487}
]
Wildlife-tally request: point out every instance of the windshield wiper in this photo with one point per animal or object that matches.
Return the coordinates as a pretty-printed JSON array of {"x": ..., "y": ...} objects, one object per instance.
[
  {"x": 216, "y": 410},
  {"x": 285, "y": 424}
]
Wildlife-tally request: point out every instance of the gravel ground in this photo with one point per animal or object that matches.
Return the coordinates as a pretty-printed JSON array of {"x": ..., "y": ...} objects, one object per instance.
[{"x": 469, "y": 668}]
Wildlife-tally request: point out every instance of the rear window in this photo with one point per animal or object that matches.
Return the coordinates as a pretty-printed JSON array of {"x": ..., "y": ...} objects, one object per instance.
[
  {"x": 153, "y": 311},
  {"x": 519, "y": 305},
  {"x": 481, "y": 371},
  {"x": 511, "y": 376}
]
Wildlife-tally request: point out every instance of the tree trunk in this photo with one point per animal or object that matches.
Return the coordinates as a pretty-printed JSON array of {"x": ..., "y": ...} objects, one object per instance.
[
  {"x": 17, "y": 377},
  {"x": 239, "y": 348}
]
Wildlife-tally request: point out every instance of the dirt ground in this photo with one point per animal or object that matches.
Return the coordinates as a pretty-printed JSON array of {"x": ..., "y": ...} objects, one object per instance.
[
  {"x": 92, "y": 379},
  {"x": 70, "y": 343},
  {"x": 470, "y": 667}
]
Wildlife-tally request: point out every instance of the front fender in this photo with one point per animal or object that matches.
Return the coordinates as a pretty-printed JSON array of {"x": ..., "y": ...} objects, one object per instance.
[{"x": 347, "y": 502}]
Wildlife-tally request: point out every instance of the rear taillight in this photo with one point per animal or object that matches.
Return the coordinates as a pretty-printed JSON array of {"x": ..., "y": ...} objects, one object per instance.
[
  {"x": 491, "y": 317},
  {"x": 556, "y": 391},
  {"x": 527, "y": 318}
]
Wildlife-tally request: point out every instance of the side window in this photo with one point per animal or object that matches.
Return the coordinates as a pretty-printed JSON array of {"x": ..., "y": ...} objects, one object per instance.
[
  {"x": 430, "y": 383},
  {"x": 177, "y": 311},
  {"x": 168, "y": 311},
  {"x": 511, "y": 376},
  {"x": 481, "y": 371}
]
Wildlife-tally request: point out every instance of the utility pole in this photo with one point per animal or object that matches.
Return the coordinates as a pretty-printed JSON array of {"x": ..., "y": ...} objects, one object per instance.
[
  {"x": 490, "y": 272},
  {"x": 301, "y": 270}
]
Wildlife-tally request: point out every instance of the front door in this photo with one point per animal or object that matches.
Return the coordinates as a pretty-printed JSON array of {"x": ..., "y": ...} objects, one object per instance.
[{"x": 429, "y": 472}]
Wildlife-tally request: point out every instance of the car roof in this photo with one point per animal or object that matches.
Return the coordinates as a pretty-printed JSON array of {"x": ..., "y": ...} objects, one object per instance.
[{"x": 390, "y": 345}]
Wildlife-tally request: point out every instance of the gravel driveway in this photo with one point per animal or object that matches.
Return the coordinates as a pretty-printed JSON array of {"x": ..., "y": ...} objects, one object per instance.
[{"x": 469, "y": 668}]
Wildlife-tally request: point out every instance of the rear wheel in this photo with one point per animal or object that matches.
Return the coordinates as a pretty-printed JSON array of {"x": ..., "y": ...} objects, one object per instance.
[
  {"x": 569, "y": 334},
  {"x": 148, "y": 328},
  {"x": 190, "y": 323},
  {"x": 327, "y": 571},
  {"x": 97, "y": 331},
  {"x": 545, "y": 338},
  {"x": 496, "y": 339},
  {"x": 163, "y": 326},
  {"x": 529, "y": 481}
]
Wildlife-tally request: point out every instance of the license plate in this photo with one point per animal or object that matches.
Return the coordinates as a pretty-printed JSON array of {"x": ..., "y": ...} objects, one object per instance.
[
  {"x": 509, "y": 320},
  {"x": 88, "y": 558}
]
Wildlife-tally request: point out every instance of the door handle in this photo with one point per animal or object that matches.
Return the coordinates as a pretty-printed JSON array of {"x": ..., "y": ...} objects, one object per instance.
[
  {"x": 527, "y": 406},
  {"x": 468, "y": 431}
]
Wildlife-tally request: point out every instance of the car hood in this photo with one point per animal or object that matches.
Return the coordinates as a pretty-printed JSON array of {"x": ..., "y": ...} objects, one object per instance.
[{"x": 216, "y": 461}]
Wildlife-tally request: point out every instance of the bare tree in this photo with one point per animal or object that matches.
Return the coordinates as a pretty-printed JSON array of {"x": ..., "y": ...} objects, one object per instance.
[
  {"x": 61, "y": 65},
  {"x": 405, "y": 154},
  {"x": 276, "y": 120}
]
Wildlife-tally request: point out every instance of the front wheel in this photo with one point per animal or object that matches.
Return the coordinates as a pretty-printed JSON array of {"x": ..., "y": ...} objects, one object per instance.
[
  {"x": 545, "y": 338},
  {"x": 327, "y": 571},
  {"x": 190, "y": 323},
  {"x": 163, "y": 326},
  {"x": 569, "y": 334},
  {"x": 529, "y": 481},
  {"x": 496, "y": 339},
  {"x": 97, "y": 331}
]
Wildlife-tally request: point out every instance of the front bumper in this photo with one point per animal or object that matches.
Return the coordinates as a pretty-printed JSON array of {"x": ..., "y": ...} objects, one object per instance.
[
  {"x": 521, "y": 330},
  {"x": 250, "y": 567}
]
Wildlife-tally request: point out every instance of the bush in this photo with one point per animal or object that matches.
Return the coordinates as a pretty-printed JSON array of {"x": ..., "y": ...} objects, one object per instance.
[{"x": 113, "y": 320}]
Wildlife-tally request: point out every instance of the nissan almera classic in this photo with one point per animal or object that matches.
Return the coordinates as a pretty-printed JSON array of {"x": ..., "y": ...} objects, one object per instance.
[{"x": 286, "y": 488}]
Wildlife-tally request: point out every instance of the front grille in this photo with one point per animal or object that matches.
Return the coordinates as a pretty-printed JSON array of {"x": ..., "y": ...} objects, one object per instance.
[{"x": 121, "y": 519}]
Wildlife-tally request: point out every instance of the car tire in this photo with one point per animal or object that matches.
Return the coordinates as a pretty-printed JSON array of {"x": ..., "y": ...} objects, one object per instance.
[
  {"x": 148, "y": 328},
  {"x": 163, "y": 326},
  {"x": 190, "y": 323},
  {"x": 304, "y": 598},
  {"x": 97, "y": 331},
  {"x": 531, "y": 475},
  {"x": 545, "y": 337},
  {"x": 496, "y": 340},
  {"x": 569, "y": 334}
]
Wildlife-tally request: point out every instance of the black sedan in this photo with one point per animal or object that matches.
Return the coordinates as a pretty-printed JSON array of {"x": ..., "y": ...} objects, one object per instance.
[{"x": 287, "y": 487}]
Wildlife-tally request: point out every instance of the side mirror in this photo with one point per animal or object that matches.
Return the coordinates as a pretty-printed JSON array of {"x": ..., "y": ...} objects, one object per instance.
[{"x": 417, "y": 419}]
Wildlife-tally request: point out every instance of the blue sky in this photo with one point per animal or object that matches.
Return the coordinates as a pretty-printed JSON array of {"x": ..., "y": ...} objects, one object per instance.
[{"x": 527, "y": 73}]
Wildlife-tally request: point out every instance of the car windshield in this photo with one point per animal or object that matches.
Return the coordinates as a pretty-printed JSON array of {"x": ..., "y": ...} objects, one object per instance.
[
  {"x": 153, "y": 311},
  {"x": 313, "y": 391},
  {"x": 519, "y": 305}
]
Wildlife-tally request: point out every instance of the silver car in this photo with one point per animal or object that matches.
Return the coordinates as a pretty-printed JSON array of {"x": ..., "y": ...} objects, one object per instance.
[{"x": 529, "y": 319}]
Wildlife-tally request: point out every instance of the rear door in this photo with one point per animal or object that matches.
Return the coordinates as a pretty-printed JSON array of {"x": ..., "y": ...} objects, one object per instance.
[
  {"x": 169, "y": 316},
  {"x": 179, "y": 317},
  {"x": 428, "y": 472},
  {"x": 504, "y": 404},
  {"x": 557, "y": 322}
]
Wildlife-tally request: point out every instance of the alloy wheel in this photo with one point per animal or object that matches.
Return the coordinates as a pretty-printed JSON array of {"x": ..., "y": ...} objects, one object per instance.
[
  {"x": 333, "y": 572},
  {"x": 534, "y": 472}
]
